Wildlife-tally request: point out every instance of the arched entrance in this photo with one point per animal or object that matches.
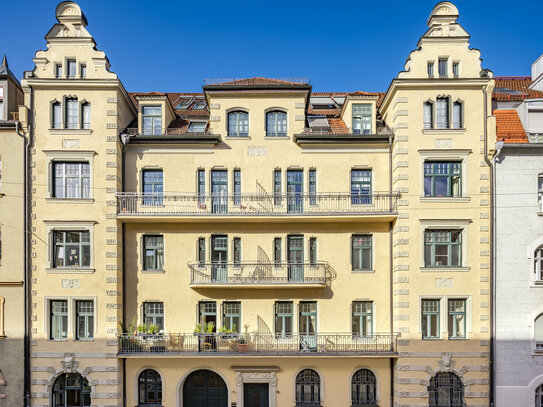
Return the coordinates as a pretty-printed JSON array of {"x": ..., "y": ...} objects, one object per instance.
[
  {"x": 204, "y": 388},
  {"x": 71, "y": 390}
]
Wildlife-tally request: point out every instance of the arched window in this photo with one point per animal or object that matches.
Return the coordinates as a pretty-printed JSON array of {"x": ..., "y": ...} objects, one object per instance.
[
  {"x": 85, "y": 115},
  {"x": 539, "y": 396},
  {"x": 308, "y": 388},
  {"x": 363, "y": 388},
  {"x": 72, "y": 117},
  {"x": 276, "y": 124},
  {"x": 149, "y": 388},
  {"x": 238, "y": 124},
  {"x": 446, "y": 390},
  {"x": 538, "y": 263},
  {"x": 428, "y": 115},
  {"x": 457, "y": 115},
  {"x": 71, "y": 390},
  {"x": 540, "y": 191}
]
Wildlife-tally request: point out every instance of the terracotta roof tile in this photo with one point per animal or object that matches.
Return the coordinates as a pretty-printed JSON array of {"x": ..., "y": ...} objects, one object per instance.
[
  {"x": 337, "y": 126},
  {"x": 514, "y": 88},
  {"x": 509, "y": 127}
]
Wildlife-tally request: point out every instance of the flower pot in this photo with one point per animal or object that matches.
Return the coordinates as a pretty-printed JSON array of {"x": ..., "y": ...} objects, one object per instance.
[{"x": 242, "y": 347}]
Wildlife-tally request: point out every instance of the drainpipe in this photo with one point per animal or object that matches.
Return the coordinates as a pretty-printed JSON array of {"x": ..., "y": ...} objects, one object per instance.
[
  {"x": 391, "y": 265},
  {"x": 123, "y": 254}
]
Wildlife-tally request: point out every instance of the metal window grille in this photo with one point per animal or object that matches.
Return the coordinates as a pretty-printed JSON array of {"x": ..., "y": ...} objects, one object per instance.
[
  {"x": 363, "y": 388},
  {"x": 153, "y": 314},
  {"x": 361, "y": 257},
  {"x": 150, "y": 388},
  {"x": 446, "y": 390},
  {"x": 442, "y": 179},
  {"x": 443, "y": 248},
  {"x": 308, "y": 388},
  {"x": 238, "y": 124},
  {"x": 71, "y": 180},
  {"x": 276, "y": 124},
  {"x": 84, "y": 319}
]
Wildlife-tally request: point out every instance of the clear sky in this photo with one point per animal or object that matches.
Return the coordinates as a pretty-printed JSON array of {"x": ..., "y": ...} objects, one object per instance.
[{"x": 172, "y": 46}]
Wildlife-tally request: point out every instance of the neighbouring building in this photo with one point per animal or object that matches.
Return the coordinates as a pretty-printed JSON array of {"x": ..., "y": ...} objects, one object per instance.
[
  {"x": 12, "y": 151},
  {"x": 518, "y": 107}
]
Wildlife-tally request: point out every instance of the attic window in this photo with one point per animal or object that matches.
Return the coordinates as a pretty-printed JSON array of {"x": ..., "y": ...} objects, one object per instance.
[
  {"x": 184, "y": 105},
  {"x": 197, "y": 127},
  {"x": 507, "y": 90},
  {"x": 199, "y": 105}
]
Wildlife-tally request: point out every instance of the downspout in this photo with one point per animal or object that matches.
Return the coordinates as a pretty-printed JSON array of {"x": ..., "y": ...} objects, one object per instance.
[
  {"x": 391, "y": 265},
  {"x": 492, "y": 260},
  {"x": 123, "y": 276}
]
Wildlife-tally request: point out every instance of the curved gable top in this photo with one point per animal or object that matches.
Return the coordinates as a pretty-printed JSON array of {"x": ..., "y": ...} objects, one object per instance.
[
  {"x": 443, "y": 12},
  {"x": 68, "y": 11}
]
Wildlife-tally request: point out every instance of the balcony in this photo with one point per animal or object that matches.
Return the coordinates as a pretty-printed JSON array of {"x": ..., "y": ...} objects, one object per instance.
[
  {"x": 234, "y": 344},
  {"x": 339, "y": 206},
  {"x": 260, "y": 275}
]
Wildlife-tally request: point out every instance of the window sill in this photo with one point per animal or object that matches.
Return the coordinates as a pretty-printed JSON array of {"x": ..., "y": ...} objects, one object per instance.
[
  {"x": 432, "y": 339},
  {"x": 58, "y": 340},
  {"x": 444, "y": 269},
  {"x": 362, "y": 271},
  {"x": 539, "y": 213},
  {"x": 443, "y": 131},
  {"x": 162, "y": 271},
  {"x": 70, "y": 200},
  {"x": 277, "y": 137},
  {"x": 537, "y": 284},
  {"x": 70, "y": 131},
  {"x": 445, "y": 199},
  {"x": 69, "y": 270},
  {"x": 238, "y": 137}
]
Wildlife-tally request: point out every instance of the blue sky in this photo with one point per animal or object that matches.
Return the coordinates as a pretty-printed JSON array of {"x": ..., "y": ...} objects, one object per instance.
[{"x": 172, "y": 46}]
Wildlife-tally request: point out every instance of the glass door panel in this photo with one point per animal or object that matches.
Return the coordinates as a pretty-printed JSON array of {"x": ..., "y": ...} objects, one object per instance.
[
  {"x": 219, "y": 258},
  {"x": 219, "y": 191},
  {"x": 295, "y": 258},
  {"x": 295, "y": 191}
]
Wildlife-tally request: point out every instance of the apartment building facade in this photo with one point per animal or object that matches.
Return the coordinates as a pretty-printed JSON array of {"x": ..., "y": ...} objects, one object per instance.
[{"x": 257, "y": 243}]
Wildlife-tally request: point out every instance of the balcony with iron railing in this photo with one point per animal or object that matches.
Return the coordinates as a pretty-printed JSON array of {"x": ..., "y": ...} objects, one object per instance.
[
  {"x": 332, "y": 205},
  {"x": 258, "y": 344},
  {"x": 260, "y": 275}
]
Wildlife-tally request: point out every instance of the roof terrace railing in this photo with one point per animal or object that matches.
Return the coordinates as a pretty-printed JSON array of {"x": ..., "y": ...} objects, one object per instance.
[
  {"x": 254, "y": 81},
  {"x": 175, "y": 131}
]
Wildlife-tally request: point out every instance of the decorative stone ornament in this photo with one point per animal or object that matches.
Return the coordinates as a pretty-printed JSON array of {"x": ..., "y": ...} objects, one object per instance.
[
  {"x": 69, "y": 364},
  {"x": 443, "y": 13},
  {"x": 70, "y": 12},
  {"x": 446, "y": 364}
]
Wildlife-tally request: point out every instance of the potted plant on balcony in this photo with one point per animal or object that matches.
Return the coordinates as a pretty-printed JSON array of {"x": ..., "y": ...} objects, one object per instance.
[
  {"x": 242, "y": 343},
  {"x": 228, "y": 334},
  {"x": 128, "y": 341}
]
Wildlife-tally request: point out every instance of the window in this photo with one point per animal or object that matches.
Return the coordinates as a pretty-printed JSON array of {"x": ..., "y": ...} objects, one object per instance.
[
  {"x": 539, "y": 191},
  {"x": 153, "y": 314},
  {"x": 83, "y": 68},
  {"x": 538, "y": 333},
  {"x": 237, "y": 187},
  {"x": 277, "y": 190},
  {"x": 197, "y": 127},
  {"x": 442, "y": 113},
  {"x": 428, "y": 115},
  {"x": 200, "y": 105},
  {"x": 71, "y": 180},
  {"x": 84, "y": 319},
  {"x": 238, "y": 124},
  {"x": 152, "y": 187},
  {"x": 312, "y": 251},
  {"x": 283, "y": 318},
  {"x": 276, "y": 124},
  {"x": 361, "y": 252},
  {"x": 457, "y": 319},
  {"x": 363, "y": 388},
  {"x": 442, "y": 248},
  {"x": 231, "y": 318},
  {"x": 295, "y": 258},
  {"x": 538, "y": 263},
  {"x": 362, "y": 118},
  {"x": 201, "y": 252},
  {"x": 431, "y": 69},
  {"x": 362, "y": 318},
  {"x": 361, "y": 186},
  {"x": 58, "y": 70},
  {"x": 456, "y": 69},
  {"x": 2, "y": 109},
  {"x": 442, "y": 179},
  {"x": 207, "y": 312},
  {"x": 457, "y": 115},
  {"x": 443, "y": 71},
  {"x": 307, "y": 318},
  {"x": 71, "y": 68},
  {"x": 237, "y": 251},
  {"x": 56, "y": 115},
  {"x": 149, "y": 388},
  {"x": 446, "y": 390},
  {"x": 201, "y": 188},
  {"x": 72, "y": 115},
  {"x": 85, "y": 115},
  {"x": 308, "y": 388},
  {"x": 71, "y": 248},
  {"x": 0, "y": 246},
  {"x": 71, "y": 389},
  {"x": 58, "y": 319},
  {"x": 277, "y": 255},
  {"x": 430, "y": 319},
  {"x": 184, "y": 105},
  {"x": 312, "y": 187},
  {"x": 539, "y": 396},
  {"x": 153, "y": 252},
  {"x": 152, "y": 120}
]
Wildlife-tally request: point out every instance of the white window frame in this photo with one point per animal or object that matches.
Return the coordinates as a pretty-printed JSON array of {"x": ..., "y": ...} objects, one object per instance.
[
  {"x": 449, "y": 224},
  {"x": 70, "y": 156}
]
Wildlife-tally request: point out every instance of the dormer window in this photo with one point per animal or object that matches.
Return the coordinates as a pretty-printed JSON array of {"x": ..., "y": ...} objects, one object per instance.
[
  {"x": 443, "y": 71},
  {"x": 151, "y": 120},
  {"x": 197, "y": 127},
  {"x": 238, "y": 124},
  {"x": 71, "y": 68},
  {"x": 362, "y": 118}
]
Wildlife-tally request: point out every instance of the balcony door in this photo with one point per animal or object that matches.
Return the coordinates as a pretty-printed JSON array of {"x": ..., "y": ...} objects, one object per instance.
[
  {"x": 308, "y": 325},
  {"x": 219, "y": 258},
  {"x": 219, "y": 191},
  {"x": 295, "y": 258},
  {"x": 295, "y": 191}
]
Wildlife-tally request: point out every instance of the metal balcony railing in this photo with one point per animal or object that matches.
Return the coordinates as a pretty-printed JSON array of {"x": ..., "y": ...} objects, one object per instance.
[
  {"x": 259, "y": 273},
  {"x": 377, "y": 203},
  {"x": 253, "y": 81},
  {"x": 258, "y": 344},
  {"x": 170, "y": 131}
]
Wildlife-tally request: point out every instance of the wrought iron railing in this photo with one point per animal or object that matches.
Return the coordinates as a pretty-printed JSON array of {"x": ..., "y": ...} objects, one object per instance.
[
  {"x": 256, "y": 205},
  {"x": 259, "y": 344},
  {"x": 260, "y": 273},
  {"x": 170, "y": 131}
]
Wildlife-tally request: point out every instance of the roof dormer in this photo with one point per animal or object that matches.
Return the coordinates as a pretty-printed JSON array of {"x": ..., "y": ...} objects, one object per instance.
[{"x": 155, "y": 113}]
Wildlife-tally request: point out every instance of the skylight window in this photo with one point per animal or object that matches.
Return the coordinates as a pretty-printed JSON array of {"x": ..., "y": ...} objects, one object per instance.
[
  {"x": 197, "y": 127},
  {"x": 199, "y": 105},
  {"x": 184, "y": 105}
]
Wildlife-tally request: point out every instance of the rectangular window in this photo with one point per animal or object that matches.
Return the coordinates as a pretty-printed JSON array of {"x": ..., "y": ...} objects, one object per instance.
[
  {"x": 362, "y": 118},
  {"x": 207, "y": 312},
  {"x": 56, "y": 113},
  {"x": 85, "y": 116},
  {"x": 201, "y": 188},
  {"x": 295, "y": 258},
  {"x": 219, "y": 258},
  {"x": 231, "y": 318},
  {"x": 457, "y": 319},
  {"x": 71, "y": 180},
  {"x": 457, "y": 115},
  {"x": 428, "y": 114},
  {"x": 153, "y": 252},
  {"x": 72, "y": 115},
  {"x": 84, "y": 319},
  {"x": 442, "y": 113},
  {"x": 153, "y": 314},
  {"x": 277, "y": 190},
  {"x": 456, "y": 69},
  {"x": 237, "y": 251},
  {"x": 201, "y": 252},
  {"x": 71, "y": 68},
  {"x": 277, "y": 255},
  {"x": 430, "y": 319},
  {"x": 540, "y": 192},
  {"x": 83, "y": 68},
  {"x": 71, "y": 248},
  {"x": 237, "y": 187},
  {"x": 313, "y": 251},
  {"x": 2, "y": 110},
  {"x": 442, "y": 179},
  {"x": 58, "y": 70},
  {"x": 0, "y": 246},
  {"x": 307, "y": 318},
  {"x": 312, "y": 187},
  {"x": 361, "y": 252},
  {"x": 361, "y": 187},
  {"x": 58, "y": 319},
  {"x": 362, "y": 318},
  {"x": 431, "y": 69},
  {"x": 152, "y": 187},
  {"x": 443, "y": 71},
  {"x": 0, "y": 174},
  {"x": 197, "y": 127},
  {"x": 443, "y": 248},
  {"x": 283, "y": 318},
  {"x": 151, "y": 120}
]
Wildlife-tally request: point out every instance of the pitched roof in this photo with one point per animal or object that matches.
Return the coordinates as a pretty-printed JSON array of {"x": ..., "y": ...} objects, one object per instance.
[
  {"x": 5, "y": 72},
  {"x": 509, "y": 127},
  {"x": 514, "y": 88}
]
